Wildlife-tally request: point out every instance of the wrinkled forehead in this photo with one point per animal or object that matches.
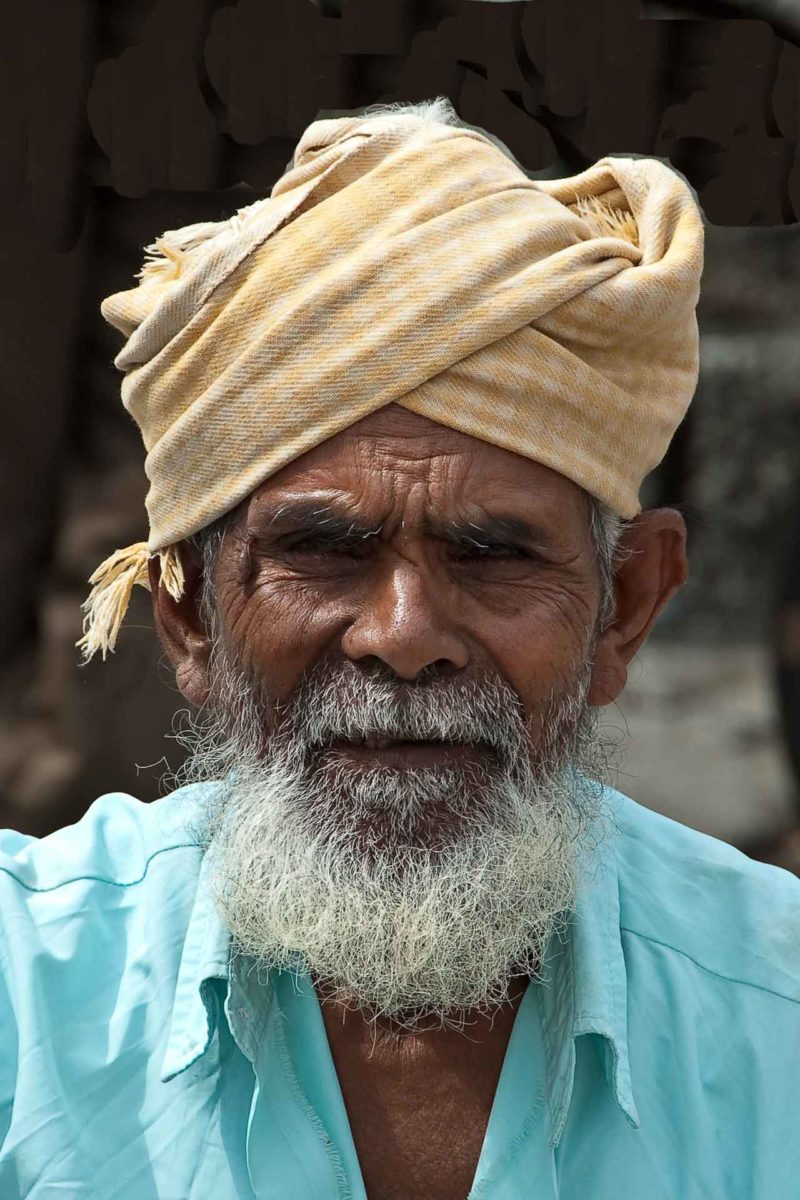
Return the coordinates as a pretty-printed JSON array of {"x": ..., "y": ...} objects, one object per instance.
[{"x": 396, "y": 464}]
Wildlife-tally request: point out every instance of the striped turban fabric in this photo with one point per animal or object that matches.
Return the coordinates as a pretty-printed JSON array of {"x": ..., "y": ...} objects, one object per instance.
[{"x": 404, "y": 257}]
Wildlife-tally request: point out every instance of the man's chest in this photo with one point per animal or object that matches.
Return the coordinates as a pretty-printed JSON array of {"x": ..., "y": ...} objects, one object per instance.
[{"x": 419, "y": 1142}]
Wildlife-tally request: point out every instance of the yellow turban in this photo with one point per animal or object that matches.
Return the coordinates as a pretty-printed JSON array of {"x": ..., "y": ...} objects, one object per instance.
[{"x": 404, "y": 257}]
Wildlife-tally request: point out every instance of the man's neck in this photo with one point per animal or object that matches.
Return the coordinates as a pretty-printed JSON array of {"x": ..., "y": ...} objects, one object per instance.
[
  {"x": 346, "y": 1023},
  {"x": 419, "y": 1101}
]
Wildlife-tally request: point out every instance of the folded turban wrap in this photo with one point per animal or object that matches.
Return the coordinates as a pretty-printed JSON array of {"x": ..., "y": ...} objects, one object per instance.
[{"x": 405, "y": 257}]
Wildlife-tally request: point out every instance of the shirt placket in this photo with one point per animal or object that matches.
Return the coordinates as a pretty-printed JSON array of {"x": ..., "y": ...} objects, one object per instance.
[
  {"x": 518, "y": 1157},
  {"x": 287, "y": 1155}
]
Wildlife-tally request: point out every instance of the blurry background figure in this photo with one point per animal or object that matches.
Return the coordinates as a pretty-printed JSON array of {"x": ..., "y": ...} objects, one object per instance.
[{"x": 709, "y": 726}]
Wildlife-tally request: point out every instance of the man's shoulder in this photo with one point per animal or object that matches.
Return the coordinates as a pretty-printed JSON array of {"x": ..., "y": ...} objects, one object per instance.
[
  {"x": 701, "y": 898},
  {"x": 94, "y": 921},
  {"x": 121, "y": 846}
]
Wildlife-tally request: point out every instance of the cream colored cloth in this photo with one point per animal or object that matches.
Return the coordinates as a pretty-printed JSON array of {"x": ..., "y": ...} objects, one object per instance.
[{"x": 407, "y": 258}]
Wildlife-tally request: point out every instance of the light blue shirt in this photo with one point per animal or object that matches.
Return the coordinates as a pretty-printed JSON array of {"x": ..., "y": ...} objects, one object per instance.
[{"x": 660, "y": 1059}]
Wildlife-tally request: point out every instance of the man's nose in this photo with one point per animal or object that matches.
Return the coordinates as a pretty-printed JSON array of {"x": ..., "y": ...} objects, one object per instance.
[{"x": 406, "y": 625}]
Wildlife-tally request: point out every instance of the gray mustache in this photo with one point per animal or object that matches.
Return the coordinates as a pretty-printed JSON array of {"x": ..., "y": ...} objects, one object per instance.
[{"x": 325, "y": 713}]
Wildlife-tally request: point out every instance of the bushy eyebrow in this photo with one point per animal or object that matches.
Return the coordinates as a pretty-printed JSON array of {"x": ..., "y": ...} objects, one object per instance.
[
  {"x": 489, "y": 529},
  {"x": 333, "y": 523},
  {"x": 309, "y": 516}
]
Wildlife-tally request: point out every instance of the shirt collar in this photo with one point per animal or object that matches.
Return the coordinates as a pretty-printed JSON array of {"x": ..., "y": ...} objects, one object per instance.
[{"x": 586, "y": 989}]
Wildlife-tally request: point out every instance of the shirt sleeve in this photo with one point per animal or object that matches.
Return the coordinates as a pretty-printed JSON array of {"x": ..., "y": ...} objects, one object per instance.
[{"x": 9, "y": 1038}]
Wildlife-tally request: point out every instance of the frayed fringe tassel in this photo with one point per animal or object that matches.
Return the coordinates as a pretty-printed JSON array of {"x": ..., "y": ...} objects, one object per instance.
[
  {"x": 176, "y": 251},
  {"x": 113, "y": 582},
  {"x": 162, "y": 261},
  {"x": 605, "y": 221}
]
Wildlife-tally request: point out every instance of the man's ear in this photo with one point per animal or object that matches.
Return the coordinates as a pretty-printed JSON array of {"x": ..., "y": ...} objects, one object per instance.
[
  {"x": 652, "y": 567},
  {"x": 180, "y": 627}
]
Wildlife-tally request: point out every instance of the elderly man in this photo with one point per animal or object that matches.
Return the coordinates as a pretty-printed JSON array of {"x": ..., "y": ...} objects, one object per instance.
[{"x": 395, "y": 936}]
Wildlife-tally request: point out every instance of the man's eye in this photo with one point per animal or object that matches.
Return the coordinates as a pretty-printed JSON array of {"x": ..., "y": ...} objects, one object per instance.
[
  {"x": 491, "y": 550},
  {"x": 344, "y": 547}
]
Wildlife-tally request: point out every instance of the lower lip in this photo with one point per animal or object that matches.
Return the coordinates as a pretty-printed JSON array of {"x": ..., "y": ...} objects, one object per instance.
[{"x": 412, "y": 754}]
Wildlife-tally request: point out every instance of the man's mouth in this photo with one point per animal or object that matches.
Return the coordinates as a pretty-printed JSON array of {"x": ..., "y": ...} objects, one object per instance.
[{"x": 383, "y": 749}]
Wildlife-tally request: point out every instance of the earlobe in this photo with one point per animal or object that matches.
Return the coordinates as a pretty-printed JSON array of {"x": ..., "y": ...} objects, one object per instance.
[
  {"x": 180, "y": 627},
  {"x": 609, "y": 674}
]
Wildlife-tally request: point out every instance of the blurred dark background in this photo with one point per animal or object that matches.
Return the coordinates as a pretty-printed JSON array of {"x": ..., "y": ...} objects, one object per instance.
[{"x": 121, "y": 120}]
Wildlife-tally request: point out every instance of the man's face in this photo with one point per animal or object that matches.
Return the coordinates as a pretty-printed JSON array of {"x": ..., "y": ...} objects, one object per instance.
[
  {"x": 405, "y": 545},
  {"x": 397, "y": 695}
]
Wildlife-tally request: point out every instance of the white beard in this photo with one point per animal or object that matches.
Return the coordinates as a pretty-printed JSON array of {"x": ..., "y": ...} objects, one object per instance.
[{"x": 418, "y": 895}]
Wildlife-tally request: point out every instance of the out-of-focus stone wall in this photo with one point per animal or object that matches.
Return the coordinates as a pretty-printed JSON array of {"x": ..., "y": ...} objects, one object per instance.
[{"x": 702, "y": 740}]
